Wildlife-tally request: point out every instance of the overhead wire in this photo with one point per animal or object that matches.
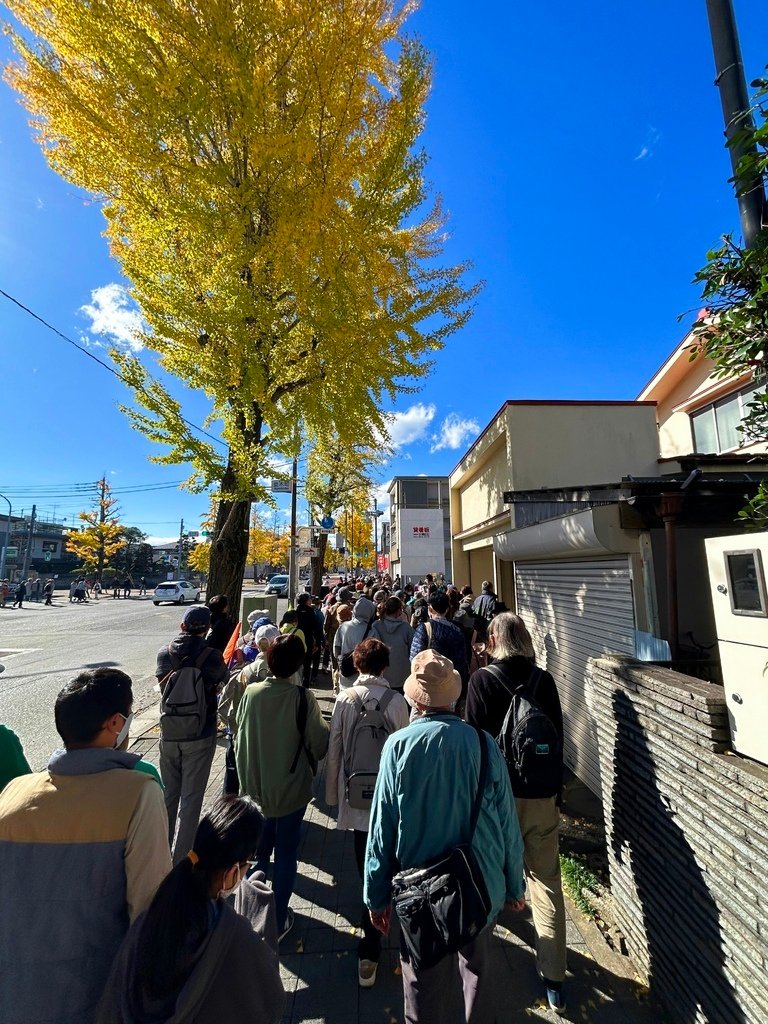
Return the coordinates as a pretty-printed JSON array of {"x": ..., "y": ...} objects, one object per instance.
[{"x": 110, "y": 369}]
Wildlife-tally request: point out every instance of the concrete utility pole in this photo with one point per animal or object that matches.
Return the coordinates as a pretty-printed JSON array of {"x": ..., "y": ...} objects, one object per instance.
[
  {"x": 181, "y": 549},
  {"x": 7, "y": 541},
  {"x": 293, "y": 553},
  {"x": 28, "y": 548},
  {"x": 739, "y": 126}
]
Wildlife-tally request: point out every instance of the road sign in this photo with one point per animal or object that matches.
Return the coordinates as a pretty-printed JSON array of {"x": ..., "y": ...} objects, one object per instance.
[
  {"x": 281, "y": 487},
  {"x": 47, "y": 556},
  {"x": 327, "y": 523},
  {"x": 308, "y": 552},
  {"x": 11, "y": 552}
]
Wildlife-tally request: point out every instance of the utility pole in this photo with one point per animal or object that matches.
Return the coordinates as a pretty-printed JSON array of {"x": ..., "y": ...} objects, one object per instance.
[
  {"x": 28, "y": 548},
  {"x": 181, "y": 549},
  {"x": 739, "y": 126},
  {"x": 7, "y": 541},
  {"x": 293, "y": 559}
]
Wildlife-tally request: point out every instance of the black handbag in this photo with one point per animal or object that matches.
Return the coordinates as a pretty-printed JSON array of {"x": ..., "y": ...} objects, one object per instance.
[{"x": 444, "y": 904}]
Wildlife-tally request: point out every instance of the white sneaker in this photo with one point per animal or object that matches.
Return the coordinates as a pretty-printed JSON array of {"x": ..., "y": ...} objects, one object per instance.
[{"x": 366, "y": 973}]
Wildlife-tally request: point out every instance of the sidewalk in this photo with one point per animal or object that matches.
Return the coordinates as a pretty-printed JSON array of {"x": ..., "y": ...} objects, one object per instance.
[{"x": 318, "y": 957}]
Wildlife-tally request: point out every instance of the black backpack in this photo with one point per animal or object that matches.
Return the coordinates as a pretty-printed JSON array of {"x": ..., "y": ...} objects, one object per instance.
[
  {"x": 184, "y": 703},
  {"x": 529, "y": 740}
]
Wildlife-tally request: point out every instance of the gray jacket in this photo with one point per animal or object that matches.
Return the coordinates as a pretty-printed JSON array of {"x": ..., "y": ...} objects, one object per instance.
[
  {"x": 238, "y": 955},
  {"x": 350, "y": 634},
  {"x": 397, "y": 635}
]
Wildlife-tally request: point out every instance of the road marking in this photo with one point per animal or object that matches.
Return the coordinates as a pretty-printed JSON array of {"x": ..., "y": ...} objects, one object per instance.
[{"x": 14, "y": 652}]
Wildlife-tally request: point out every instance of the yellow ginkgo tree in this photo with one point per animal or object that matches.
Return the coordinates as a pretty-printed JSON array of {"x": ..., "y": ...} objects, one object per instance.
[
  {"x": 258, "y": 168},
  {"x": 102, "y": 534}
]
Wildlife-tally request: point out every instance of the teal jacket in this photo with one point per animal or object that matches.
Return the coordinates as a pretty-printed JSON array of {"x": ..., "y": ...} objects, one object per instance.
[{"x": 422, "y": 804}]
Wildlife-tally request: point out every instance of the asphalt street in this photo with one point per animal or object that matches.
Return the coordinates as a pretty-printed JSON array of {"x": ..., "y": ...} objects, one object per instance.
[{"x": 42, "y": 648}]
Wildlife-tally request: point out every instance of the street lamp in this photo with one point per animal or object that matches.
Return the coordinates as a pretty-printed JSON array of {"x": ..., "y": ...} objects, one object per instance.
[{"x": 7, "y": 538}]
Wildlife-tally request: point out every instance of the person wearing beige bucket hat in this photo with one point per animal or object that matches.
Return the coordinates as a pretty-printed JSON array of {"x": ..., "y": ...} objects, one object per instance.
[
  {"x": 422, "y": 806},
  {"x": 433, "y": 683}
]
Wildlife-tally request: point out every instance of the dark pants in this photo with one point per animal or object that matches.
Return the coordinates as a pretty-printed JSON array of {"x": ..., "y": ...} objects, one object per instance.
[
  {"x": 425, "y": 992},
  {"x": 48, "y": 598},
  {"x": 281, "y": 835},
  {"x": 307, "y": 678},
  {"x": 369, "y": 947}
]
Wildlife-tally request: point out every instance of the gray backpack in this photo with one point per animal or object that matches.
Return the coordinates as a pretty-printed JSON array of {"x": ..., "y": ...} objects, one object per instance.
[
  {"x": 183, "y": 704},
  {"x": 366, "y": 742}
]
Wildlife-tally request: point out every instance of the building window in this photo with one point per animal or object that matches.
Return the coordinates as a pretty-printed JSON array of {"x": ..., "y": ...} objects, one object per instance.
[{"x": 715, "y": 427}]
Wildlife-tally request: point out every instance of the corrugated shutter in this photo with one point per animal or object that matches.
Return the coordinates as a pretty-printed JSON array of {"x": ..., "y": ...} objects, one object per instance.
[{"x": 575, "y": 610}]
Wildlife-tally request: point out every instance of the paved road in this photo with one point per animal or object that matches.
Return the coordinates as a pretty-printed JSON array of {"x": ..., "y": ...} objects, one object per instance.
[{"x": 50, "y": 645}]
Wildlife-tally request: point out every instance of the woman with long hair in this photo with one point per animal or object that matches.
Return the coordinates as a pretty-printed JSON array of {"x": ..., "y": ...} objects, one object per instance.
[{"x": 192, "y": 956}]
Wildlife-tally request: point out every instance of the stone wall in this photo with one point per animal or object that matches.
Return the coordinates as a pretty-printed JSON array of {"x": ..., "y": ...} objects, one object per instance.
[{"x": 687, "y": 833}]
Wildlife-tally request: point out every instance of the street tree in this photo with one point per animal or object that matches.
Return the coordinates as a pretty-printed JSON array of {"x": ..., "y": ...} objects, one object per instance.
[
  {"x": 135, "y": 558},
  {"x": 199, "y": 558},
  {"x": 258, "y": 169},
  {"x": 338, "y": 475},
  {"x": 102, "y": 535},
  {"x": 267, "y": 546},
  {"x": 734, "y": 333}
]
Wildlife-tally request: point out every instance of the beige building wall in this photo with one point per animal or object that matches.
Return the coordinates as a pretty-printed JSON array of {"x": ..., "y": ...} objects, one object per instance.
[
  {"x": 580, "y": 443},
  {"x": 682, "y": 387}
]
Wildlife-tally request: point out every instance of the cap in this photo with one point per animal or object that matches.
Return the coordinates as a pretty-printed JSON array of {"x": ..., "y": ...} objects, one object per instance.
[{"x": 197, "y": 618}]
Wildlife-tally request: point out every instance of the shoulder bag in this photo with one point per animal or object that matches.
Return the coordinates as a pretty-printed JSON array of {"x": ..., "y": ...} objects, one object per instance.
[{"x": 444, "y": 904}]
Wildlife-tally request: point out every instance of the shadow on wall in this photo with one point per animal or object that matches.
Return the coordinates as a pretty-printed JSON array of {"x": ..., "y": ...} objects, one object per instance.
[{"x": 680, "y": 918}]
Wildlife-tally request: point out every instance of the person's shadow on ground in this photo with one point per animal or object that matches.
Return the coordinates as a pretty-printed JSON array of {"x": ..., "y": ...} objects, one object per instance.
[{"x": 679, "y": 915}]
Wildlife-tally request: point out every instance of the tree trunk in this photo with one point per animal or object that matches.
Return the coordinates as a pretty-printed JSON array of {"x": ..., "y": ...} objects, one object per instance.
[{"x": 229, "y": 552}]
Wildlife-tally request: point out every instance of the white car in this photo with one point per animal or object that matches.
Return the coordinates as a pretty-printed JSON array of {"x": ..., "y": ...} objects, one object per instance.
[{"x": 175, "y": 591}]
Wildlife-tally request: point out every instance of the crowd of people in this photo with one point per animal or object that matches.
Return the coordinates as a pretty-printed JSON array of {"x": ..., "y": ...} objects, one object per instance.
[
  {"x": 122, "y": 906},
  {"x": 81, "y": 590}
]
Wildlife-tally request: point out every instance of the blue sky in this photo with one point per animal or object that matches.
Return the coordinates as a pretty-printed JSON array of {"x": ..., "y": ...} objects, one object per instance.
[{"x": 579, "y": 151}]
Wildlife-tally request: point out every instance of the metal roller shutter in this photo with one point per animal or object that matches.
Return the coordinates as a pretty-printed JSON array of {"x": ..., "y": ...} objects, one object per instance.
[{"x": 575, "y": 610}]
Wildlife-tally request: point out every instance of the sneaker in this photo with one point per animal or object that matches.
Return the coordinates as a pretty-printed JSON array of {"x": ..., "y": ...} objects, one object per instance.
[
  {"x": 288, "y": 925},
  {"x": 555, "y": 997},
  {"x": 366, "y": 973}
]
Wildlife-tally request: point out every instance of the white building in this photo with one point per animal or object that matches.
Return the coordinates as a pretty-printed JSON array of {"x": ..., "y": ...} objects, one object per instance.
[{"x": 420, "y": 532}]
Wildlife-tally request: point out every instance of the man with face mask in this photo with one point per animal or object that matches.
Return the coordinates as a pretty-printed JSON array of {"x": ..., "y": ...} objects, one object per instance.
[{"x": 83, "y": 847}]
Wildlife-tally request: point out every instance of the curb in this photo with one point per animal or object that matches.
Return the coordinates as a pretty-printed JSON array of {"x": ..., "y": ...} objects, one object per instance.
[{"x": 599, "y": 949}]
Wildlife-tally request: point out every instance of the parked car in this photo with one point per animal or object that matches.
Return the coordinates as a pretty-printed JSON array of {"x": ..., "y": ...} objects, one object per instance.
[
  {"x": 175, "y": 591},
  {"x": 278, "y": 585}
]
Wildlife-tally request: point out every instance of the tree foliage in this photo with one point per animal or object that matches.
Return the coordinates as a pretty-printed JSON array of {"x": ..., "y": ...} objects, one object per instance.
[
  {"x": 734, "y": 282},
  {"x": 257, "y": 165},
  {"x": 267, "y": 546},
  {"x": 102, "y": 535},
  {"x": 199, "y": 558}
]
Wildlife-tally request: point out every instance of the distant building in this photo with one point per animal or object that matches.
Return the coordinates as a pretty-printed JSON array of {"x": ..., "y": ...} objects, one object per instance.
[
  {"x": 47, "y": 550},
  {"x": 419, "y": 539}
]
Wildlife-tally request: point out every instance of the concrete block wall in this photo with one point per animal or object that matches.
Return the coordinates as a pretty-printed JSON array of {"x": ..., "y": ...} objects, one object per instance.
[{"x": 687, "y": 833}]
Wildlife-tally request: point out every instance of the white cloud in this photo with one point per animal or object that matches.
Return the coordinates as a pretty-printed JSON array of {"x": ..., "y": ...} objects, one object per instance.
[
  {"x": 454, "y": 432},
  {"x": 652, "y": 138},
  {"x": 114, "y": 316},
  {"x": 409, "y": 426},
  {"x": 161, "y": 542}
]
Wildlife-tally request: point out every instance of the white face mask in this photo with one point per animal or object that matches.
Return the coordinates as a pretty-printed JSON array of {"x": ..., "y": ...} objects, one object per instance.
[
  {"x": 232, "y": 889},
  {"x": 123, "y": 734}
]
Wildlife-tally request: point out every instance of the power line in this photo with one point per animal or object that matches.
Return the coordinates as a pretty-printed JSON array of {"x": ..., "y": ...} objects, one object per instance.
[{"x": 106, "y": 366}]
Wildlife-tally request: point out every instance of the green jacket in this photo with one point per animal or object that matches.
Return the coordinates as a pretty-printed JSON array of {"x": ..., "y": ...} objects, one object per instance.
[
  {"x": 12, "y": 760},
  {"x": 267, "y": 741}
]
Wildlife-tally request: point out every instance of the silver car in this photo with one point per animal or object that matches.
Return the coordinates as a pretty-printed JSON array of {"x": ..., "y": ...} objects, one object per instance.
[
  {"x": 278, "y": 585},
  {"x": 175, "y": 591}
]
